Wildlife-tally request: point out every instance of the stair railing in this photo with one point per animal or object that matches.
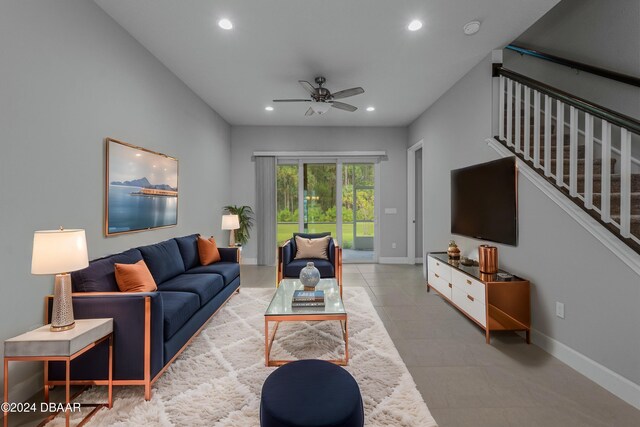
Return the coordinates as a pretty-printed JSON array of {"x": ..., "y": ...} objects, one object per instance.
[{"x": 535, "y": 119}]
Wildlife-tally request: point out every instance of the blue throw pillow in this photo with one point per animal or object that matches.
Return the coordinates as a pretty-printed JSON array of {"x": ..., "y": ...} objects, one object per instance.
[{"x": 100, "y": 276}]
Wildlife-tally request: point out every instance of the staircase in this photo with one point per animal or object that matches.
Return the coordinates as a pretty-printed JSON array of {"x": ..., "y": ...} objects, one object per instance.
[{"x": 583, "y": 149}]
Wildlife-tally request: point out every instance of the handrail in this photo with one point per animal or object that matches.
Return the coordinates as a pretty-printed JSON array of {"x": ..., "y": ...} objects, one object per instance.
[
  {"x": 596, "y": 110},
  {"x": 602, "y": 72}
]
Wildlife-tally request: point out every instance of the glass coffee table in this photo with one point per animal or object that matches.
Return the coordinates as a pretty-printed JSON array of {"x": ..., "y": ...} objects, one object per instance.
[{"x": 280, "y": 310}]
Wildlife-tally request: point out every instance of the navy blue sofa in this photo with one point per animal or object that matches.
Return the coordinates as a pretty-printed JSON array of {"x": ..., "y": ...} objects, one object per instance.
[
  {"x": 150, "y": 329},
  {"x": 288, "y": 266}
]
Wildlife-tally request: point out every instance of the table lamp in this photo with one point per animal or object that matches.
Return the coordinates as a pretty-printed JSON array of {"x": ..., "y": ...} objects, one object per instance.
[
  {"x": 231, "y": 223},
  {"x": 60, "y": 252}
]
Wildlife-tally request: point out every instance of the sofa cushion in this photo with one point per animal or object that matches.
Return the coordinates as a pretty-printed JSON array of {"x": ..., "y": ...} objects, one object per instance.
[
  {"x": 100, "y": 276},
  {"x": 205, "y": 286},
  {"x": 188, "y": 246},
  {"x": 228, "y": 270},
  {"x": 294, "y": 267},
  {"x": 178, "y": 307},
  {"x": 134, "y": 277},
  {"x": 208, "y": 251},
  {"x": 163, "y": 259}
]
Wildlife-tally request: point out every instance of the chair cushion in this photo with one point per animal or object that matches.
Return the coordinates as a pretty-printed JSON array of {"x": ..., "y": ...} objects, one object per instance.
[
  {"x": 205, "y": 286},
  {"x": 228, "y": 270},
  {"x": 163, "y": 259},
  {"x": 134, "y": 277},
  {"x": 208, "y": 251},
  {"x": 100, "y": 276},
  {"x": 312, "y": 248},
  {"x": 311, "y": 393},
  {"x": 294, "y": 249},
  {"x": 294, "y": 267},
  {"x": 178, "y": 307},
  {"x": 188, "y": 246}
]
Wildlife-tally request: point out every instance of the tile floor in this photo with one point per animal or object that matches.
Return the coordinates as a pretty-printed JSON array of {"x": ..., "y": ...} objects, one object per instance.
[{"x": 464, "y": 381}]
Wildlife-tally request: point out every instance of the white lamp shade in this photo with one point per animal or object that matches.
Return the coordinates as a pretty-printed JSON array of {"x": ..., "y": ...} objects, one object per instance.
[
  {"x": 230, "y": 222},
  {"x": 59, "y": 251}
]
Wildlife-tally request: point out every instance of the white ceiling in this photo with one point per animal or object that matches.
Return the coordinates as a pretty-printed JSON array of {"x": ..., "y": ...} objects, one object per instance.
[{"x": 364, "y": 43}]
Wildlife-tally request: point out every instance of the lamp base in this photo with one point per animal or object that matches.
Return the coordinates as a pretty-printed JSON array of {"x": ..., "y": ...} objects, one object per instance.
[
  {"x": 232, "y": 238},
  {"x": 62, "y": 314}
]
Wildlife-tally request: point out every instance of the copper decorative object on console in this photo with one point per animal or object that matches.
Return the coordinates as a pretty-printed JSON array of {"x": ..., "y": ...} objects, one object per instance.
[
  {"x": 453, "y": 251},
  {"x": 488, "y": 259}
]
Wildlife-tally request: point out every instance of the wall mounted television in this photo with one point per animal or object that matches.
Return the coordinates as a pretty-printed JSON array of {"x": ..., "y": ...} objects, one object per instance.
[{"x": 484, "y": 201}]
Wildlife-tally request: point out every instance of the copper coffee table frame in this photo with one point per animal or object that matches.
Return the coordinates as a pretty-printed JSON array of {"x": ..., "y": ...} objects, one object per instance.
[
  {"x": 280, "y": 310},
  {"x": 268, "y": 338}
]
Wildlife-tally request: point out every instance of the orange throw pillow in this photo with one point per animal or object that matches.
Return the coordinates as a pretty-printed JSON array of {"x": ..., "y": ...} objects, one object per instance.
[
  {"x": 208, "y": 251},
  {"x": 135, "y": 277}
]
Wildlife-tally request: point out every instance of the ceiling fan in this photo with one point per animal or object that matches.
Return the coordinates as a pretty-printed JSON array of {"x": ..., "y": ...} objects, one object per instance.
[{"x": 322, "y": 99}]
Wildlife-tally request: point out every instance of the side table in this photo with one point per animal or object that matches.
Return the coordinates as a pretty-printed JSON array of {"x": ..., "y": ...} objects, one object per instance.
[{"x": 43, "y": 345}]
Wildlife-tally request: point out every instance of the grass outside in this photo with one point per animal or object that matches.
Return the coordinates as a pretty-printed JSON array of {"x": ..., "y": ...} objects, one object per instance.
[{"x": 365, "y": 229}]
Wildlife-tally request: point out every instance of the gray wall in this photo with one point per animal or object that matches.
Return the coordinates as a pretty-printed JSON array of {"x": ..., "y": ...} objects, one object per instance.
[
  {"x": 596, "y": 32},
  {"x": 563, "y": 261},
  {"x": 247, "y": 139},
  {"x": 71, "y": 76}
]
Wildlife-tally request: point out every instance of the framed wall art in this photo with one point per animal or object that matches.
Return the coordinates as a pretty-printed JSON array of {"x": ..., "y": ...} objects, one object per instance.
[{"x": 141, "y": 189}]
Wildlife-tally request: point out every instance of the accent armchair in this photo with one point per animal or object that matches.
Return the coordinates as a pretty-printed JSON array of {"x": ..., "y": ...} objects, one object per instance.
[{"x": 288, "y": 266}]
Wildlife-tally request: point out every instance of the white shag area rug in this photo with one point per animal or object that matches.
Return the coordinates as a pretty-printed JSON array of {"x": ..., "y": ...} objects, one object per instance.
[{"x": 218, "y": 379}]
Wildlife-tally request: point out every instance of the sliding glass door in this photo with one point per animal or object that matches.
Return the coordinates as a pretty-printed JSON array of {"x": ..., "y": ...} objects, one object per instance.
[{"x": 335, "y": 197}]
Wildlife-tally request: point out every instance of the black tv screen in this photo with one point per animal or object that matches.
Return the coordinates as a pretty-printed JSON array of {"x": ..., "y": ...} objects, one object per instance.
[{"x": 484, "y": 201}]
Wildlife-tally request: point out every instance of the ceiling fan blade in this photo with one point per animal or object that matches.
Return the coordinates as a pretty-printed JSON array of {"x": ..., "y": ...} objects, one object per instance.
[
  {"x": 348, "y": 92},
  {"x": 309, "y": 112},
  {"x": 291, "y": 100},
  {"x": 307, "y": 86},
  {"x": 343, "y": 106}
]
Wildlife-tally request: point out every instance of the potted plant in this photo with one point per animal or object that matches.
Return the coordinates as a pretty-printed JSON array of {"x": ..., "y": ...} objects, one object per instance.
[{"x": 245, "y": 217}]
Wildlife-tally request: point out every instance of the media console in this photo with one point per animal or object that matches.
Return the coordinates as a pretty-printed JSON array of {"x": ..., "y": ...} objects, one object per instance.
[{"x": 493, "y": 303}]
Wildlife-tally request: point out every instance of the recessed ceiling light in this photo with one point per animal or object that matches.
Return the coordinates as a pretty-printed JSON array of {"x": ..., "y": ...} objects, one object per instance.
[
  {"x": 414, "y": 25},
  {"x": 371, "y": 108},
  {"x": 470, "y": 28},
  {"x": 268, "y": 108},
  {"x": 225, "y": 24}
]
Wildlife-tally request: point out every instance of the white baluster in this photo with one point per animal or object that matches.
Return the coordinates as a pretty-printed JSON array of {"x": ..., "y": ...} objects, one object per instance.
[
  {"x": 573, "y": 151},
  {"x": 502, "y": 109},
  {"x": 625, "y": 183},
  {"x": 547, "y": 135},
  {"x": 509, "y": 113},
  {"x": 559, "y": 143},
  {"x": 588, "y": 161},
  {"x": 518, "y": 107},
  {"x": 527, "y": 123},
  {"x": 605, "y": 174},
  {"x": 536, "y": 129}
]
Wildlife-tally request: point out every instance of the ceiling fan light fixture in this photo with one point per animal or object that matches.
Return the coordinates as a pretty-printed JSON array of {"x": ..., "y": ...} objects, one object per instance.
[
  {"x": 370, "y": 109},
  {"x": 414, "y": 25},
  {"x": 320, "y": 107},
  {"x": 225, "y": 24}
]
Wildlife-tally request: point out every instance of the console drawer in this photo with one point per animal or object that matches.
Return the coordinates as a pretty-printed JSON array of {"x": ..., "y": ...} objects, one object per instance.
[
  {"x": 439, "y": 283},
  {"x": 442, "y": 269},
  {"x": 468, "y": 285},
  {"x": 469, "y": 305}
]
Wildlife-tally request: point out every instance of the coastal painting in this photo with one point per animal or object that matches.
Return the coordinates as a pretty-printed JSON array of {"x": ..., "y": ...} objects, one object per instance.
[{"x": 141, "y": 190}]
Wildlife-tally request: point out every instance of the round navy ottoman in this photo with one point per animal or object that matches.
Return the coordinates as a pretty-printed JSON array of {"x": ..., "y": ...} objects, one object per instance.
[{"x": 311, "y": 393}]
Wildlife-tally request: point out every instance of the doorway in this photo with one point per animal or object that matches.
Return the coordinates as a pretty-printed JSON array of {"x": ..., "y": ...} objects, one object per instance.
[
  {"x": 336, "y": 196},
  {"x": 415, "y": 203}
]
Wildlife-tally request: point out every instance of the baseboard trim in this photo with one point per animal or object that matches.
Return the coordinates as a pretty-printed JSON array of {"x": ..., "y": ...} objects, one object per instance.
[
  {"x": 393, "y": 260},
  {"x": 418, "y": 261},
  {"x": 619, "y": 249},
  {"x": 601, "y": 375}
]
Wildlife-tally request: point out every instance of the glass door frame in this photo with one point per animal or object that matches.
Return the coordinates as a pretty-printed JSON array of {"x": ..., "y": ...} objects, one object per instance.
[{"x": 339, "y": 162}]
